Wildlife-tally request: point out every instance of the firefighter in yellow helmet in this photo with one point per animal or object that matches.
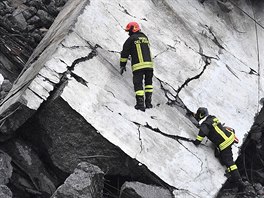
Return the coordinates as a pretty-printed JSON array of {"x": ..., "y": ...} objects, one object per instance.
[
  {"x": 137, "y": 46},
  {"x": 223, "y": 138}
]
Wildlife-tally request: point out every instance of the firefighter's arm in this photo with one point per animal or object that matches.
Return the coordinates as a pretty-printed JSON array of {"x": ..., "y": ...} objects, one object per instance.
[
  {"x": 202, "y": 133},
  {"x": 124, "y": 55}
]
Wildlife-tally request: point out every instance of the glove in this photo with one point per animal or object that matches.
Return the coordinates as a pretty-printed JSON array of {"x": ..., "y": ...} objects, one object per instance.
[
  {"x": 196, "y": 142},
  {"x": 122, "y": 70}
]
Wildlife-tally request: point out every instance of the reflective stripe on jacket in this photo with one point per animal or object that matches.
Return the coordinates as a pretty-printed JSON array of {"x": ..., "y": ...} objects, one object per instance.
[
  {"x": 137, "y": 45},
  {"x": 214, "y": 130}
]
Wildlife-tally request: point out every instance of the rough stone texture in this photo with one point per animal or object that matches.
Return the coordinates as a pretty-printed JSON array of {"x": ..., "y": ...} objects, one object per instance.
[
  {"x": 29, "y": 171},
  {"x": 5, "y": 88},
  {"x": 85, "y": 182},
  {"x": 36, "y": 36},
  {"x": 5, "y": 168},
  {"x": 252, "y": 151},
  {"x": 140, "y": 190},
  {"x": 23, "y": 25},
  {"x": 17, "y": 94},
  {"x": 69, "y": 140},
  {"x": 5, "y": 192}
]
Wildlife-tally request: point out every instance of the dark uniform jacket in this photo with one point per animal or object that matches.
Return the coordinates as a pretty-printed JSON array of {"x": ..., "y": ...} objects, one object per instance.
[
  {"x": 137, "y": 45},
  {"x": 214, "y": 130}
]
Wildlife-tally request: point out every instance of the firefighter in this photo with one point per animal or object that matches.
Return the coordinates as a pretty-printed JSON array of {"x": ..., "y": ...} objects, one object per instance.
[
  {"x": 223, "y": 139},
  {"x": 137, "y": 46}
]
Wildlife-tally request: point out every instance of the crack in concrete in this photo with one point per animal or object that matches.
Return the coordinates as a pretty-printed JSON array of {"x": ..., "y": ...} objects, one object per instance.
[
  {"x": 35, "y": 93},
  {"x": 91, "y": 55},
  {"x": 126, "y": 12},
  {"x": 46, "y": 79},
  {"x": 139, "y": 136},
  {"x": 177, "y": 138},
  {"x": 232, "y": 71},
  {"x": 215, "y": 40},
  {"x": 169, "y": 47}
]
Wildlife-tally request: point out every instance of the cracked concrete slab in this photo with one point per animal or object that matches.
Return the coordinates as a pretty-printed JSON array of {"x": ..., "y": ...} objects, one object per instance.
[{"x": 200, "y": 60}]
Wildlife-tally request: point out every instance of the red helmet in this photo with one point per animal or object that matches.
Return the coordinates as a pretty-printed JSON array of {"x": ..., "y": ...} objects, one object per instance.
[{"x": 132, "y": 26}]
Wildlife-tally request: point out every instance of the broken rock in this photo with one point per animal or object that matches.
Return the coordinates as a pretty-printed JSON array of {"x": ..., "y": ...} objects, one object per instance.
[
  {"x": 140, "y": 190},
  {"x": 5, "y": 168},
  {"x": 86, "y": 181},
  {"x": 5, "y": 192}
]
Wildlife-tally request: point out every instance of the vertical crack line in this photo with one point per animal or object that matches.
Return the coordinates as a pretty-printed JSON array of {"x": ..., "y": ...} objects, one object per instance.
[
  {"x": 246, "y": 14},
  {"x": 139, "y": 136},
  {"x": 140, "y": 140},
  {"x": 215, "y": 40},
  {"x": 258, "y": 54}
]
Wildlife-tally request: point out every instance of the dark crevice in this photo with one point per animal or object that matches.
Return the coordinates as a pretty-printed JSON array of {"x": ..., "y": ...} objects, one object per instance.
[
  {"x": 232, "y": 71},
  {"x": 108, "y": 108},
  {"x": 169, "y": 47},
  {"x": 252, "y": 71},
  {"x": 35, "y": 93},
  {"x": 177, "y": 138},
  {"x": 46, "y": 79},
  {"x": 139, "y": 137},
  {"x": 215, "y": 40},
  {"x": 92, "y": 54},
  {"x": 79, "y": 79},
  {"x": 207, "y": 62},
  {"x": 124, "y": 10}
]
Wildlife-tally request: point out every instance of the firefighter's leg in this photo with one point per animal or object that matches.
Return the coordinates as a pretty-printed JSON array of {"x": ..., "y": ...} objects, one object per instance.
[
  {"x": 148, "y": 88},
  {"x": 235, "y": 178},
  {"x": 138, "y": 87}
]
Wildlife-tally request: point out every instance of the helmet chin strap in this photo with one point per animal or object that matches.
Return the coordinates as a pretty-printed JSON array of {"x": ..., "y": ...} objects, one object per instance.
[{"x": 201, "y": 121}]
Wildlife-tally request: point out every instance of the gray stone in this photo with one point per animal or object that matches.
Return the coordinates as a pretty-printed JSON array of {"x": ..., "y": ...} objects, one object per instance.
[
  {"x": 85, "y": 182},
  {"x": 5, "y": 168},
  {"x": 140, "y": 190},
  {"x": 6, "y": 85},
  {"x": 5, "y": 192},
  {"x": 35, "y": 176}
]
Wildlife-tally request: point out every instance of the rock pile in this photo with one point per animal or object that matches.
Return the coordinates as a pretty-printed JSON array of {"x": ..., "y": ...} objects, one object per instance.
[{"x": 22, "y": 25}]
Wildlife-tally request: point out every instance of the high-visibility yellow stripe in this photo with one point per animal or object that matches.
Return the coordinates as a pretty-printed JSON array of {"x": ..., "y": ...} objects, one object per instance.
[
  {"x": 142, "y": 65},
  {"x": 200, "y": 138},
  {"x": 140, "y": 93},
  {"x": 228, "y": 140},
  {"x": 149, "y": 88},
  {"x": 231, "y": 168},
  {"x": 139, "y": 52},
  {"x": 123, "y": 59}
]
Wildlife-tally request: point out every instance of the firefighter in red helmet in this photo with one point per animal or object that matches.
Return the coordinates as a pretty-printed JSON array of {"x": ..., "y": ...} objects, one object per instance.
[{"x": 137, "y": 46}]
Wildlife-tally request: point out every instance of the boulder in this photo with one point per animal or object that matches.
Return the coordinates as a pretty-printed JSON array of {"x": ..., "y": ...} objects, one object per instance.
[
  {"x": 5, "y": 168},
  {"x": 5, "y": 192},
  {"x": 29, "y": 172},
  {"x": 86, "y": 181},
  {"x": 140, "y": 190}
]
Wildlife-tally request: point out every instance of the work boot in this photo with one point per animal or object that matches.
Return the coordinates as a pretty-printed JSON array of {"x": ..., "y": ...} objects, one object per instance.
[
  {"x": 148, "y": 100},
  {"x": 140, "y": 103}
]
